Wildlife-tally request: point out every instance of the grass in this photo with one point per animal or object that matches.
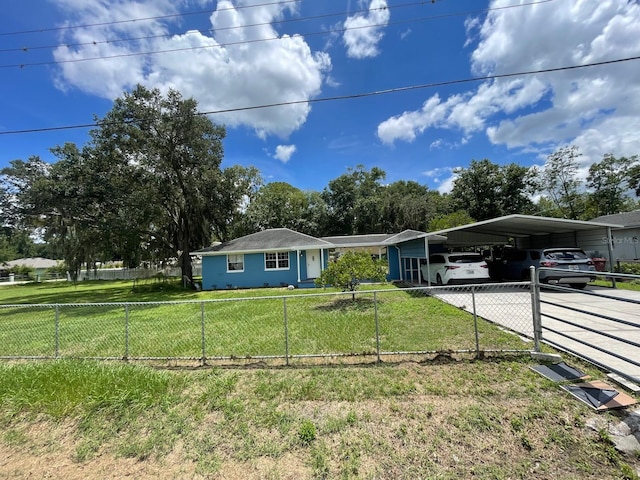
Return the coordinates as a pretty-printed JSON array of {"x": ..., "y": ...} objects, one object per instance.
[
  {"x": 446, "y": 420},
  {"x": 621, "y": 284},
  {"x": 485, "y": 420},
  {"x": 85, "y": 323}
]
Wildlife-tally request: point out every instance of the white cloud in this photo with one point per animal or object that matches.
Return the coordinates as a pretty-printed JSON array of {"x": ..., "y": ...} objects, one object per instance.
[
  {"x": 364, "y": 32},
  {"x": 594, "y": 108},
  {"x": 220, "y": 69},
  {"x": 443, "y": 177},
  {"x": 284, "y": 152}
]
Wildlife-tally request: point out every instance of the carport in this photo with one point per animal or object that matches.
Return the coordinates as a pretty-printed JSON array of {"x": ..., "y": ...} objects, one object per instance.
[{"x": 528, "y": 231}]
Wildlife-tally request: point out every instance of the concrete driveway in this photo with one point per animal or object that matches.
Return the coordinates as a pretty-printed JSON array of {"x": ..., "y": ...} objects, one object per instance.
[
  {"x": 509, "y": 305},
  {"x": 553, "y": 304}
]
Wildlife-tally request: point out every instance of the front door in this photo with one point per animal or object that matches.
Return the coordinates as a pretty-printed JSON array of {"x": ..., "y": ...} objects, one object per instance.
[{"x": 313, "y": 263}]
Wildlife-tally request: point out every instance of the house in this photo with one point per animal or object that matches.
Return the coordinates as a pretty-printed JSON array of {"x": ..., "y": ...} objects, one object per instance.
[
  {"x": 39, "y": 265},
  {"x": 626, "y": 239},
  {"x": 275, "y": 257},
  {"x": 283, "y": 257}
]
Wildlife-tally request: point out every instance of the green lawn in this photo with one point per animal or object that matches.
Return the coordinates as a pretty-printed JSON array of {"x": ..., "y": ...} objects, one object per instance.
[
  {"x": 149, "y": 322},
  {"x": 485, "y": 420},
  {"x": 445, "y": 419}
]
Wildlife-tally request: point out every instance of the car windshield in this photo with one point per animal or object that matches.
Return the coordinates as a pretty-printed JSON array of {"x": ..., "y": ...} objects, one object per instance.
[
  {"x": 565, "y": 254},
  {"x": 466, "y": 258}
]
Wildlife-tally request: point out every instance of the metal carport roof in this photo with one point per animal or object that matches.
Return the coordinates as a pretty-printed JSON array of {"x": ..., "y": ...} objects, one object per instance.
[{"x": 499, "y": 230}]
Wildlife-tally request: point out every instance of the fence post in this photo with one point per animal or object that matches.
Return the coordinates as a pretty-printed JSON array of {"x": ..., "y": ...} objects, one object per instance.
[
  {"x": 126, "y": 332},
  {"x": 286, "y": 331},
  {"x": 535, "y": 309},
  {"x": 57, "y": 335},
  {"x": 202, "y": 323},
  {"x": 475, "y": 320},
  {"x": 375, "y": 306}
]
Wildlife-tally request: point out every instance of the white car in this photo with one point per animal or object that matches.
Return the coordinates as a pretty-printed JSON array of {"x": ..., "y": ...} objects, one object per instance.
[{"x": 456, "y": 267}]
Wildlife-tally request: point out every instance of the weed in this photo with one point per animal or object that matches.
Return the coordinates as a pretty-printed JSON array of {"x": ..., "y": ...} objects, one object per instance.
[
  {"x": 517, "y": 425},
  {"x": 306, "y": 432},
  {"x": 526, "y": 442}
]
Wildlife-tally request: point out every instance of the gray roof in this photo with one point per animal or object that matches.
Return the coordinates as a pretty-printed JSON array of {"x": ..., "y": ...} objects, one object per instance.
[
  {"x": 268, "y": 240},
  {"x": 381, "y": 239},
  {"x": 413, "y": 235},
  {"x": 628, "y": 219},
  {"x": 372, "y": 240},
  {"x": 36, "y": 263},
  {"x": 285, "y": 239},
  {"x": 498, "y": 230}
]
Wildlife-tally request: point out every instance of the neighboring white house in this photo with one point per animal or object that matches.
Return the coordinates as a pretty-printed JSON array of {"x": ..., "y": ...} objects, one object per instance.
[
  {"x": 626, "y": 240},
  {"x": 38, "y": 264}
]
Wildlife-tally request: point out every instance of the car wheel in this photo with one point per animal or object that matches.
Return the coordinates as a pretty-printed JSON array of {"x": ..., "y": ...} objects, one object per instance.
[
  {"x": 438, "y": 279},
  {"x": 578, "y": 286}
]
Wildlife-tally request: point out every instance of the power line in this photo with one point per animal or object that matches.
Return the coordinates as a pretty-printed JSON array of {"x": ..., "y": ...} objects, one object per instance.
[
  {"x": 251, "y": 25},
  {"x": 141, "y": 19},
  {"x": 357, "y": 95},
  {"x": 242, "y": 42}
]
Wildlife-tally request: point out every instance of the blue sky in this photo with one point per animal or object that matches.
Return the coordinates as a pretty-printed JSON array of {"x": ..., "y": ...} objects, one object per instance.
[{"x": 242, "y": 53}]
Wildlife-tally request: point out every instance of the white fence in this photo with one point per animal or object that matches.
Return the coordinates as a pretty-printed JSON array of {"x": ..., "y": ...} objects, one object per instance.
[{"x": 133, "y": 273}]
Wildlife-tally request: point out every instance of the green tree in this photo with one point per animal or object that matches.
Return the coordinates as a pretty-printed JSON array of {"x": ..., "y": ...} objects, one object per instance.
[
  {"x": 354, "y": 201},
  {"x": 558, "y": 180},
  {"x": 47, "y": 197},
  {"x": 408, "y": 205},
  {"x": 455, "y": 219},
  {"x": 609, "y": 180},
  {"x": 487, "y": 190},
  {"x": 349, "y": 270},
  {"x": 238, "y": 188},
  {"x": 177, "y": 153},
  {"x": 315, "y": 220},
  {"x": 277, "y": 205}
]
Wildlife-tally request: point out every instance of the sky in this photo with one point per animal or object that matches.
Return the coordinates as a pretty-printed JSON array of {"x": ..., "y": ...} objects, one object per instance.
[{"x": 416, "y": 88}]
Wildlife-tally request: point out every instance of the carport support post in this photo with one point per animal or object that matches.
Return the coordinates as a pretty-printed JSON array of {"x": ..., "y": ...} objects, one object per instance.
[{"x": 535, "y": 309}]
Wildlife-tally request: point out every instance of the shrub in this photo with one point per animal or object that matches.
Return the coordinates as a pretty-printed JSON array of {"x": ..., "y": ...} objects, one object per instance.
[
  {"x": 350, "y": 269},
  {"x": 628, "y": 268}
]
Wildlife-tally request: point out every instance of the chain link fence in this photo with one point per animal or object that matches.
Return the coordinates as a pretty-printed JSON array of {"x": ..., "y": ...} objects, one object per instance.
[{"x": 471, "y": 319}]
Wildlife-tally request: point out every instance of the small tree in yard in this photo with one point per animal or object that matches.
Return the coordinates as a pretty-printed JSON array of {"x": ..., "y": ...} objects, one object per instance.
[{"x": 350, "y": 269}]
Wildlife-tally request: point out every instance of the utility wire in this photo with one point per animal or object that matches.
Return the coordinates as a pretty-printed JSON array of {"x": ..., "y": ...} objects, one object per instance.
[
  {"x": 135, "y": 20},
  {"x": 220, "y": 29},
  {"x": 357, "y": 95},
  {"x": 243, "y": 42}
]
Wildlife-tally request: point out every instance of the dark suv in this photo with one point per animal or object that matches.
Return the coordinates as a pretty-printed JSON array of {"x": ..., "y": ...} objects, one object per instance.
[{"x": 516, "y": 264}]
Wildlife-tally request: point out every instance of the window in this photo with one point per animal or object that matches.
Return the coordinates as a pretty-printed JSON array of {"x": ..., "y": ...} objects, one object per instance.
[
  {"x": 276, "y": 261},
  {"x": 235, "y": 263}
]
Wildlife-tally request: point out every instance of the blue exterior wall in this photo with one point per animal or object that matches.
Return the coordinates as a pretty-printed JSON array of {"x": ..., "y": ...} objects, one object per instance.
[
  {"x": 394, "y": 268},
  {"x": 216, "y": 277},
  {"x": 415, "y": 248},
  {"x": 412, "y": 248}
]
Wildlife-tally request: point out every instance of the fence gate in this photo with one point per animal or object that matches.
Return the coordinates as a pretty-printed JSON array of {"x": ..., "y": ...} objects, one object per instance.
[{"x": 600, "y": 323}]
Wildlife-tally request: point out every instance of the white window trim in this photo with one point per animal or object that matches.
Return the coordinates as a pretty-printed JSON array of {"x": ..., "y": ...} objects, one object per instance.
[
  {"x": 235, "y": 255},
  {"x": 288, "y": 267}
]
